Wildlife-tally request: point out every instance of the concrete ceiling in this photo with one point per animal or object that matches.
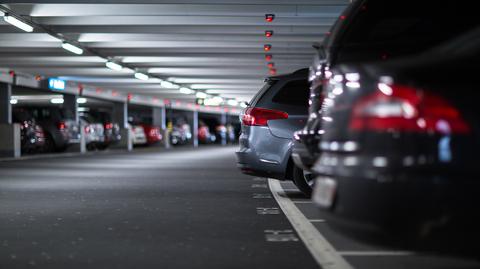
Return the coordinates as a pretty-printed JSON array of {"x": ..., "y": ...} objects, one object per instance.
[{"x": 209, "y": 45}]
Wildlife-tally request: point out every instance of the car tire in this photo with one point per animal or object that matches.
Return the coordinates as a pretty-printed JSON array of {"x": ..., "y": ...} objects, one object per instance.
[
  {"x": 49, "y": 145},
  {"x": 303, "y": 180}
]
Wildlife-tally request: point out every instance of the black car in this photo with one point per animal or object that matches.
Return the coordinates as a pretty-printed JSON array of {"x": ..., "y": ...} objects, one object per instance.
[
  {"x": 58, "y": 124},
  {"x": 32, "y": 137},
  {"x": 375, "y": 31},
  {"x": 400, "y": 149}
]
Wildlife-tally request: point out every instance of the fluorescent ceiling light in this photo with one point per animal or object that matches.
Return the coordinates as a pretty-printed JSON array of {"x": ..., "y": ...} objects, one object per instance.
[
  {"x": 18, "y": 23},
  {"x": 141, "y": 76},
  {"x": 167, "y": 84},
  {"x": 13, "y": 101},
  {"x": 232, "y": 102},
  {"x": 56, "y": 100},
  {"x": 72, "y": 48},
  {"x": 114, "y": 66},
  {"x": 201, "y": 95},
  {"x": 185, "y": 90},
  {"x": 81, "y": 100},
  {"x": 218, "y": 99}
]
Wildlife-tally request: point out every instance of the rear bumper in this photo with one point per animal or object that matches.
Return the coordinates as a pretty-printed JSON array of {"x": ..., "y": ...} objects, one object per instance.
[
  {"x": 419, "y": 205},
  {"x": 250, "y": 164},
  {"x": 263, "y": 154}
]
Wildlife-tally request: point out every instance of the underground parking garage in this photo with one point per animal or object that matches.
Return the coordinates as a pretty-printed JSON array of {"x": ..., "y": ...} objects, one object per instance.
[{"x": 238, "y": 134}]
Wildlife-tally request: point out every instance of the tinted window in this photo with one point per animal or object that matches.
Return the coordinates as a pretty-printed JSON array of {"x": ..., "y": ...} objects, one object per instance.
[
  {"x": 264, "y": 89},
  {"x": 395, "y": 28},
  {"x": 294, "y": 93}
]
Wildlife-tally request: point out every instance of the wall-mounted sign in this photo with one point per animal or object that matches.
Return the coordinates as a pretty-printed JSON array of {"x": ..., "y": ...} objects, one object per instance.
[{"x": 56, "y": 84}]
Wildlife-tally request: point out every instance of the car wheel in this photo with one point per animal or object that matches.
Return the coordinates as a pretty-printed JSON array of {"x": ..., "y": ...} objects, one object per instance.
[
  {"x": 304, "y": 180},
  {"x": 49, "y": 145}
]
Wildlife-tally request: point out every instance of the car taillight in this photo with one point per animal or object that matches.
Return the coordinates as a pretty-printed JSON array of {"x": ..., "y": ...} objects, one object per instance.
[
  {"x": 153, "y": 132},
  {"x": 403, "y": 108},
  {"x": 61, "y": 125},
  {"x": 108, "y": 125},
  {"x": 254, "y": 116}
]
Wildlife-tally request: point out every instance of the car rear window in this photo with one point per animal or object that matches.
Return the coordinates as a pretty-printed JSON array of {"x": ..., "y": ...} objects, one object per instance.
[
  {"x": 404, "y": 27},
  {"x": 294, "y": 93},
  {"x": 268, "y": 84}
]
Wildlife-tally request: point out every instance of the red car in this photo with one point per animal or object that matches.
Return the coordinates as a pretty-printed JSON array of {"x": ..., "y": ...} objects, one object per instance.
[{"x": 153, "y": 133}]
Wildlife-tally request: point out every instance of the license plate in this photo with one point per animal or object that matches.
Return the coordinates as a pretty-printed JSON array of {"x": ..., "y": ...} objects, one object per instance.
[{"x": 324, "y": 191}]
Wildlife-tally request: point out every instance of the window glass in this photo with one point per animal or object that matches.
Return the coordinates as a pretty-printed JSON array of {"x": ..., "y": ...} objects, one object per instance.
[{"x": 294, "y": 93}]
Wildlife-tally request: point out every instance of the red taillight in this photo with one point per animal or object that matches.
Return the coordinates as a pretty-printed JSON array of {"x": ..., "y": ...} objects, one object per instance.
[
  {"x": 268, "y": 34},
  {"x": 109, "y": 125},
  {"x": 268, "y": 57},
  {"x": 260, "y": 116},
  {"x": 267, "y": 47},
  {"x": 61, "y": 125},
  {"x": 271, "y": 65},
  {"x": 402, "y": 108},
  {"x": 269, "y": 17},
  {"x": 273, "y": 71}
]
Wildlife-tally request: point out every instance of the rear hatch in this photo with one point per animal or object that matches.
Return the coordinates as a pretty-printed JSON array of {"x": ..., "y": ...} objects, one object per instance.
[{"x": 289, "y": 96}]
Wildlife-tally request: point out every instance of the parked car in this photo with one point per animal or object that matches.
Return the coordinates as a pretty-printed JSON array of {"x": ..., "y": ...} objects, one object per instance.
[
  {"x": 399, "y": 152},
  {"x": 204, "y": 135},
  {"x": 220, "y": 133},
  {"x": 94, "y": 132},
  {"x": 58, "y": 124},
  {"x": 137, "y": 134},
  {"x": 111, "y": 129},
  {"x": 153, "y": 133},
  {"x": 32, "y": 137},
  {"x": 369, "y": 31},
  {"x": 180, "y": 134},
  {"x": 231, "y": 136},
  {"x": 268, "y": 124}
]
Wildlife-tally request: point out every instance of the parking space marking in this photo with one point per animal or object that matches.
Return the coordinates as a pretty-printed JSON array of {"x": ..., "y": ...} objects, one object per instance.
[
  {"x": 261, "y": 186},
  {"x": 322, "y": 251},
  {"x": 261, "y": 196},
  {"x": 259, "y": 179},
  {"x": 268, "y": 210},
  {"x": 302, "y": 202},
  {"x": 317, "y": 220},
  {"x": 280, "y": 236},
  {"x": 289, "y": 190},
  {"x": 376, "y": 253}
]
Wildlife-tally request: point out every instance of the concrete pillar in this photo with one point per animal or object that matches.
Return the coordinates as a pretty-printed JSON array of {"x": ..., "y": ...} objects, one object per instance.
[
  {"x": 70, "y": 103},
  {"x": 5, "y": 106},
  {"x": 195, "y": 129},
  {"x": 120, "y": 116},
  {"x": 10, "y": 144},
  {"x": 83, "y": 142},
  {"x": 158, "y": 117},
  {"x": 10, "y": 136}
]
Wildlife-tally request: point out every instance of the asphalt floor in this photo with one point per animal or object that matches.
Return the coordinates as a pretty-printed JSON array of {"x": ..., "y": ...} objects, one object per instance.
[{"x": 153, "y": 208}]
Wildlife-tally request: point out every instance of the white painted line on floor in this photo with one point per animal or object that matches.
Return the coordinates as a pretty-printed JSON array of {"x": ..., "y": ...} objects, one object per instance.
[
  {"x": 322, "y": 251},
  {"x": 302, "y": 202},
  {"x": 376, "y": 253},
  {"x": 290, "y": 190},
  {"x": 317, "y": 220}
]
